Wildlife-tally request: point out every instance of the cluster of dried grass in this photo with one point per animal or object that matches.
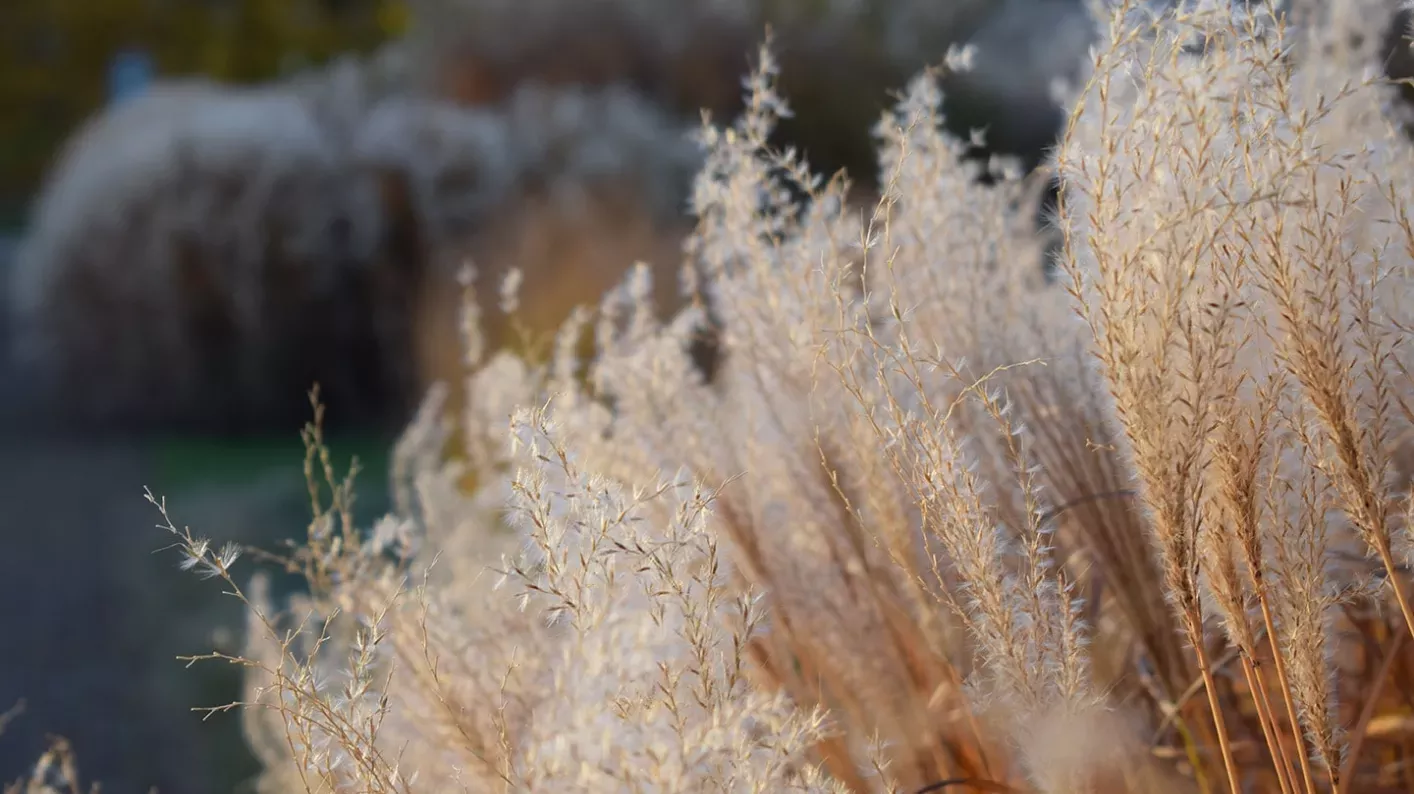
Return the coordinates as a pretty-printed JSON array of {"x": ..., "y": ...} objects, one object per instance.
[{"x": 934, "y": 521}]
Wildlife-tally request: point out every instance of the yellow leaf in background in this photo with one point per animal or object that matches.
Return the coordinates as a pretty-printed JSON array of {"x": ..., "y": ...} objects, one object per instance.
[
  {"x": 1390, "y": 724},
  {"x": 393, "y": 16}
]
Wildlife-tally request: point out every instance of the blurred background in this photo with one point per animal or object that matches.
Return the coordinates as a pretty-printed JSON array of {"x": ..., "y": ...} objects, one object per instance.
[{"x": 208, "y": 206}]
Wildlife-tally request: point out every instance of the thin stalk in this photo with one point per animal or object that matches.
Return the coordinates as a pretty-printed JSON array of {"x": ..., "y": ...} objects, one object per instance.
[
  {"x": 1265, "y": 719},
  {"x": 1210, "y": 686},
  {"x": 1387, "y": 557},
  {"x": 1280, "y": 745},
  {"x": 1195, "y": 735},
  {"x": 1301, "y": 755},
  {"x": 1195, "y": 760}
]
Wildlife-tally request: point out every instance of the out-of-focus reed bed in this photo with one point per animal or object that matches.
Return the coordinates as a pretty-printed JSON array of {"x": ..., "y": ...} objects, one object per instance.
[{"x": 201, "y": 255}]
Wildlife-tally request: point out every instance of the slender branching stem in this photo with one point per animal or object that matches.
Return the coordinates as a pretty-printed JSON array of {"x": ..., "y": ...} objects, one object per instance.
[
  {"x": 1303, "y": 758},
  {"x": 1278, "y": 744},
  {"x": 1387, "y": 558},
  {"x": 1195, "y": 623},
  {"x": 1264, "y": 717}
]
